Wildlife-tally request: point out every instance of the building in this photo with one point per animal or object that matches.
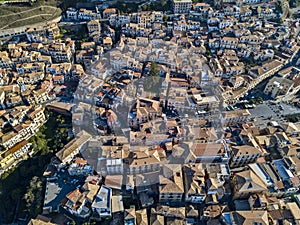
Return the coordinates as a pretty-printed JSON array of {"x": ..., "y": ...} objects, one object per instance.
[
  {"x": 247, "y": 183},
  {"x": 256, "y": 217},
  {"x": 266, "y": 70},
  {"x": 181, "y": 6},
  {"x": 144, "y": 162},
  {"x": 73, "y": 147},
  {"x": 243, "y": 155},
  {"x": 40, "y": 220},
  {"x": 194, "y": 183},
  {"x": 72, "y": 14},
  {"x": 171, "y": 187},
  {"x": 76, "y": 203},
  {"x": 210, "y": 152},
  {"x": 94, "y": 26},
  {"x": 79, "y": 168},
  {"x": 143, "y": 111},
  {"x": 130, "y": 216},
  {"x": 108, "y": 12},
  {"x": 278, "y": 86},
  {"x": 236, "y": 116},
  {"x": 101, "y": 206}
]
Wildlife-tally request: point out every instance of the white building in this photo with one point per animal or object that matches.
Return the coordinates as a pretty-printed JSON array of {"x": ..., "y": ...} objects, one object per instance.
[
  {"x": 182, "y": 6},
  {"x": 102, "y": 203},
  {"x": 72, "y": 14}
]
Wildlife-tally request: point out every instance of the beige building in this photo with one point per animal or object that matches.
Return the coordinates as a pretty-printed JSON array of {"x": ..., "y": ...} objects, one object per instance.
[
  {"x": 194, "y": 183},
  {"x": 243, "y": 155},
  {"x": 94, "y": 26},
  {"x": 253, "y": 217},
  {"x": 236, "y": 116},
  {"x": 143, "y": 162},
  {"x": 171, "y": 184},
  {"x": 246, "y": 183}
]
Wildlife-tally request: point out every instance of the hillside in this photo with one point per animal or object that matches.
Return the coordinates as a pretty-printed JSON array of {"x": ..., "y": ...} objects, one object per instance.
[{"x": 16, "y": 15}]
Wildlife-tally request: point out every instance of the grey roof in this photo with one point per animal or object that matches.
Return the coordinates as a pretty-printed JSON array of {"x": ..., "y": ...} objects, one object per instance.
[
  {"x": 103, "y": 198},
  {"x": 55, "y": 192}
]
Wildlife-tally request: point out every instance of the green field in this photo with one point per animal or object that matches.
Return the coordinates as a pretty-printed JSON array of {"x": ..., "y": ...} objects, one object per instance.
[{"x": 12, "y": 16}]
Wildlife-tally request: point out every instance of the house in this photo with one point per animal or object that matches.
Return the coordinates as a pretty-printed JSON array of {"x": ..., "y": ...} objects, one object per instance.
[
  {"x": 40, "y": 220},
  {"x": 143, "y": 162},
  {"x": 246, "y": 217},
  {"x": 280, "y": 216},
  {"x": 266, "y": 70},
  {"x": 246, "y": 183},
  {"x": 76, "y": 203},
  {"x": 212, "y": 211},
  {"x": 37, "y": 97},
  {"x": 107, "y": 43},
  {"x": 101, "y": 206},
  {"x": 146, "y": 184},
  {"x": 141, "y": 217},
  {"x": 108, "y": 12},
  {"x": 155, "y": 218},
  {"x": 236, "y": 116},
  {"x": 243, "y": 155},
  {"x": 263, "y": 172},
  {"x": 73, "y": 147},
  {"x": 205, "y": 103},
  {"x": 236, "y": 82},
  {"x": 171, "y": 187},
  {"x": 79, "y": 168},
  {"x": 9, "y": 139},
  {"x": 58, "y": 79},
  {"x": 295, "y": 210},
  {"x": 229, "y": 42},
  {"x": 204, "y": 134},
  {"x": 171, "y": 212},
  {"x": 194, "y": 183},
  {"x": 192, "y": 214},
  {"x": 85, "y": 14},
  {"x": 114, "y": 156},
  {"x": 72, "y": 14},
  {"x": 130, "y": 216},
  {"x": 143, "y": 111},
  {"x": 12, "y": 156},
  {"x": 94, "y": 26},
  {"x": 91, "y": 188},
  {"x": 210, "y": 152},
  {"x": 54, "y": 193}
]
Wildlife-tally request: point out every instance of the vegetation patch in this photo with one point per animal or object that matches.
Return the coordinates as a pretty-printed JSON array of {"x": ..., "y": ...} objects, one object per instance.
[
  {"x": 21, "y": 188},
  {"x": 12, "y": 16}
]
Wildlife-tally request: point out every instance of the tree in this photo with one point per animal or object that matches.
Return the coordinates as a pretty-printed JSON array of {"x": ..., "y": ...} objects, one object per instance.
[
  {"x": 153, "y": 69},
  {"x": 258, "y": 10},
  {"x": 16, "y": 194},
  {"x": 259, "y": 99},
  {"x": 33, "y": 196},
  {"x": 165, "y": 17},
  {"x": 152, "y": 83}
]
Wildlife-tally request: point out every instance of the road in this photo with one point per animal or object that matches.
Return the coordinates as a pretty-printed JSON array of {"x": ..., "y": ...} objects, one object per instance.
[
  {"x": 45, "y": 14},
  {"x": 17, "y": 13}
]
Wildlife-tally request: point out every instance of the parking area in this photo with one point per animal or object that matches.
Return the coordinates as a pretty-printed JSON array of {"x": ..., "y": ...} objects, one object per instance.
[{"x": 271, "y": 111}]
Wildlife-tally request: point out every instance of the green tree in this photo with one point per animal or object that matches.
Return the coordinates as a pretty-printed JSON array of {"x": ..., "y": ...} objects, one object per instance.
[
  {"x": 165, "y": 17},
  {"x": 152, "y": 83},
  {"x": 16, "y": 194},
  {"x": 153, "y": 69}
]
